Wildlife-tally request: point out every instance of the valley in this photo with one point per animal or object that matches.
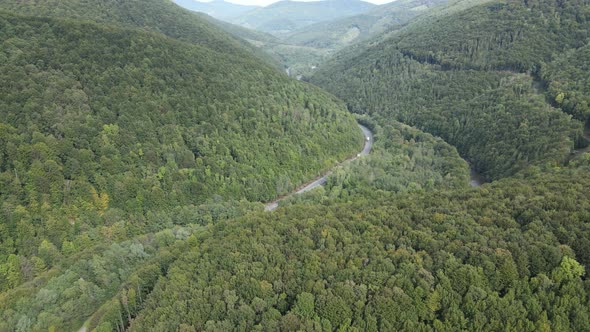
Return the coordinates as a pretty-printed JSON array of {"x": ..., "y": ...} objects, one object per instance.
[
  {"x": 300, "y": 47},
  {"x": 339, "y": 165},
  {"x": 322, "y": 179}
]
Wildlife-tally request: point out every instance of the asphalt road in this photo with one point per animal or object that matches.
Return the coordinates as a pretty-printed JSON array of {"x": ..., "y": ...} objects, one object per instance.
[{"x": 322, "y": 180}]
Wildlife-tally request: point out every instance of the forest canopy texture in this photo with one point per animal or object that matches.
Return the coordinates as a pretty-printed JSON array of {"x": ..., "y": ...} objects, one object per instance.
[
  {"x": 475, "y": 77},
  {"x": 137, "y": 144},
  {"x": 106, "y": 123}
]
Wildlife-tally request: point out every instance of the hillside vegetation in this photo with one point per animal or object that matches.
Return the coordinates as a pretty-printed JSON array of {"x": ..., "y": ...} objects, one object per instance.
[
  {"x": 307, "y": 48},
  {"x": 283, "y": 17},
  {"x": 403, "y": 159},
  {"x": 134, "y": 159},
  {"x": 488, "y": 260},
  {"x": 91, "y": 278},
  {"x": 470, "y": 85},
  {"x": 106, "y": 132},
  {"x": 336, "y": 34},
  {"x": 218, "y": 8},
  {"x": 161, "y": 16}
]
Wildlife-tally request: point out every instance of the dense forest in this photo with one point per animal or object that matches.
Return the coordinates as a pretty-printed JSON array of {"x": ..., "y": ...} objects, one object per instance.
[
  {"x": 478, "y": 88},
  {"x": 497, "y": 258},
  {"x": 348, "y": 30},
  {"x": 281, "y": 17},
  {"x": 114, "y": 264},
  {"x": 568, "y": 84},
  {"x": 152, "y": 15},
  {"x": 138, "y": 144},
  {"x": 403, "y": 159},
  {"x": 108, "y": 131}
]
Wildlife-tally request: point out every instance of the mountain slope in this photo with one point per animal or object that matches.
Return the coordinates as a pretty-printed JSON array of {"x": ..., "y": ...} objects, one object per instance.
[
  {"x": 285, "y": 16},
  {"x": 459, "y": 76},
  {"x": 257, "y": 38},
  {"x": 98, "y": 277},
  {"x": 568, "y": 84},
  {"x": 218, "y": 8},
  {"x": 488, "y": 260},
  {"x": 125, "y": 156},
  {"x": 338, "y": 33},
  {"x": 262, "y": 43},
  {"x": 161, "y": 16},
  {"x": 312, "y": 45},
  {"x": 501, "y": 35},
  {"x": 105, "y": 130}
]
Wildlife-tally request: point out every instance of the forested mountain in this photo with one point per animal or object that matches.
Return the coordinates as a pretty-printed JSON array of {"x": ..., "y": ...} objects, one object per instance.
[
  {"x": 403, "y": 159},
  {"x": 256, "y": 38},
  {"x": 108, "y": 130},
  {"x": 130, "y": 267},
  {"x": 191, "y": 105},
  {"x": 472, "y": 77},
  {"x": 161, "y": 16},
  {"x": 501, "y": 258},
  {"x": 137, "y": 149},
  {"x": 263, "y": 43},
  {"x": 568, "y": 82},
  {"x": 283, "y": 17},
  {"x": 305, "y": 49},
  {"x": 217, "y": 8},
  {"x": 338, "y": 33}
]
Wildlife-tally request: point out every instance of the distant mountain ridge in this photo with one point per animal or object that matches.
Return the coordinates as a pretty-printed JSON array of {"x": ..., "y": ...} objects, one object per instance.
[
  {"x": 474, "y": 60},
  {"x": 129, "y": 109},
  {"x": 219, "y": 9},
  {"x": 286, "y": 16},
  {"x": 139, "y": 143},
  {"x": 269, "y": 29},
  {"x": 345, "y": 31},
  {"x": 154, "y": 15}
]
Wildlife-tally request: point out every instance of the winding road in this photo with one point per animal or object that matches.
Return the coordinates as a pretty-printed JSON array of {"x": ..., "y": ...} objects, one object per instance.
[{"x": 322, "y": 180}]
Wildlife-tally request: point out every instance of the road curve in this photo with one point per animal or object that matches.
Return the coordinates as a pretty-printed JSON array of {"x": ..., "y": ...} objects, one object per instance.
[{"x": 322, "y": 180}]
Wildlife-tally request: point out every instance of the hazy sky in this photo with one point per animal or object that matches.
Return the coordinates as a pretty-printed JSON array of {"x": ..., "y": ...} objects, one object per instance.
[{"x": 268, "y": 2}]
